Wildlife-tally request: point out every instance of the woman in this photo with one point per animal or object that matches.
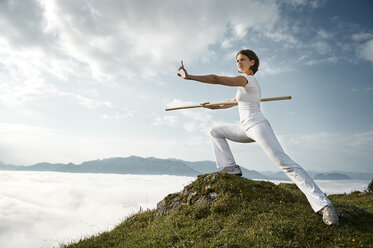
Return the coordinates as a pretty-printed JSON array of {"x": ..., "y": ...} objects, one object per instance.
[{"x": 254, "y": 127}]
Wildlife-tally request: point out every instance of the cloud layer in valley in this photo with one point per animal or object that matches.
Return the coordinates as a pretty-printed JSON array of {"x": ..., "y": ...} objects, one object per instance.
[{"x": 42, "y": 209}]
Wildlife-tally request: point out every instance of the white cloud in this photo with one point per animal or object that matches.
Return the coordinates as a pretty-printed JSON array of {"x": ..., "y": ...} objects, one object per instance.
[
  {"x": 303, "y": 3},
  {"x": 25, "y": 80},
  {"x": 270, "y": 67},
  {"x": 21, "y": 83},
  {"x": 365, "y": 51},
  {"x": 79, "y": 205},
  {"x": 38, "y": 144},
  {"x": 362, "y": 36},
  {"x": 293, "y": 46},
  {"x": 324, "y": 149},
  {"x": 227, "y": 43},
  {"x": 367, "y": 89},
  {"x": 14, "y": 131},
  {"x": 328, "y": 60},
  {"x": 191, "y": 127},
  {"x": 168, "y": 120},
  {"x": 129, "y": 37},
  {"x": 123, "y": 114},
  {"x": 283, "y": 36},
  {"x": 322, "y": 47},
  {"x": 318, "y": 150},
  {"x": 178, "y": 103},
  {"x": 22, "y": 23},
  {"x": 196, "y": 119},
  {"x": 92, "y": 103},
  {"x": 344, "y": 142},
  {"x": 73, "y": 205},
  {"x": 323, "y": 34},
  {"x": 25, "y": 92},
  {"x": 54, "y": 50}
]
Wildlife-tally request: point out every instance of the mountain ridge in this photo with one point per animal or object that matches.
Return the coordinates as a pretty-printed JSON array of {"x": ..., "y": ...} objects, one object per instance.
[
  {"x": 156, "y": 166},
  {"x": 133, "y": 165}
]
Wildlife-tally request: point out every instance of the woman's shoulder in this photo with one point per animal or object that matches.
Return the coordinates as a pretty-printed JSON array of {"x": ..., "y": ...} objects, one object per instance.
[{"x": 251, "y": 79}]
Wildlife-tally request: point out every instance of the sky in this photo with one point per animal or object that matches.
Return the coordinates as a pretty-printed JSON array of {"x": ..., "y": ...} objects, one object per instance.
[{"x": 86, "y": 80}]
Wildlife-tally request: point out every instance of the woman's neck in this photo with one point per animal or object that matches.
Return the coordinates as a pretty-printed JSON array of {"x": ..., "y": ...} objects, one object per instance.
[{"x": 248, "y": 73}]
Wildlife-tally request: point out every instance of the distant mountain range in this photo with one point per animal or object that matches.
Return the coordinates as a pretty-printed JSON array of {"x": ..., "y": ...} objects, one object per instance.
[
  {"x": 155, "y": 166},
  {"x": 331, "y": 176}
]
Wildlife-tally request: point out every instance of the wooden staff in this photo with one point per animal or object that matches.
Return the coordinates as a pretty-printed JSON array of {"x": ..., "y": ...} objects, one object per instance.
[{"x": 229, "y": 103}]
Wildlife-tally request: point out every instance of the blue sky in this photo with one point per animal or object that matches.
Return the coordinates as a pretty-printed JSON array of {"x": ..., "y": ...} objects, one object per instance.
[{"x": 85, "y": 80}]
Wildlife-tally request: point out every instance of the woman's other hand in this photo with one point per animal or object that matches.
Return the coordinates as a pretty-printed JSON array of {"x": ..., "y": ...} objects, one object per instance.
[
  {"x": 228, "y": 104},
  {"x": 183, "y": 73}
]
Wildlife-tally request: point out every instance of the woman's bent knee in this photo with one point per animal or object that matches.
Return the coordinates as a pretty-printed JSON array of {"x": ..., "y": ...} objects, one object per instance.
[{"x": 213, "y": 132}]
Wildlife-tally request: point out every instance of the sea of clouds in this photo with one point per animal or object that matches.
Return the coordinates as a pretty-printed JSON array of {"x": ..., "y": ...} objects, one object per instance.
[{"x": 45, "y": 209}]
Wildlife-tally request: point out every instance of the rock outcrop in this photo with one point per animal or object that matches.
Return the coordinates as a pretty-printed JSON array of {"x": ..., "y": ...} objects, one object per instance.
[{"x": 202, "y": 191}]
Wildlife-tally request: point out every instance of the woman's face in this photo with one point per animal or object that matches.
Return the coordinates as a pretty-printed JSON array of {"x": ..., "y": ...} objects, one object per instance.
[{"x": 244, "y": 63}]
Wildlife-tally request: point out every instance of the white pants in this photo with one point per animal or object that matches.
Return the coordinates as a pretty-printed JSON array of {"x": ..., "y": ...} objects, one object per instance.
[{"x": 262, "y": 134}]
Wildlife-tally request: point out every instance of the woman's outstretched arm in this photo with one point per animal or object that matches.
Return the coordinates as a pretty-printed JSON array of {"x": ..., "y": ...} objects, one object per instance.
[{"x": 212, "y": 79}]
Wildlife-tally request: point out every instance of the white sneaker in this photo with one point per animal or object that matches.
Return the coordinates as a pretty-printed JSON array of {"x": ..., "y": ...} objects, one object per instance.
[
  {"x": 329, "y": 215},
  {"x": 233, "y": 170}
]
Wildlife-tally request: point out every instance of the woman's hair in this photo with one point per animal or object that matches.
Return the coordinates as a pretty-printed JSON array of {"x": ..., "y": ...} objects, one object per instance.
[{"x": 252, "y": 56}]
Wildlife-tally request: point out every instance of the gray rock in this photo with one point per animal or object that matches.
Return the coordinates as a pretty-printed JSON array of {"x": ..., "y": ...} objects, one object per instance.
[
  {"x": 184, "y": 192},
  {"x": 168, "y": 203},
  {"x": 200, "y": 201},
  {"x": 357, "y": 208},
  {"x": 213, "y": 196},
  {"x": 343, "y": 214},
  {"x": 191, "y": 195}
]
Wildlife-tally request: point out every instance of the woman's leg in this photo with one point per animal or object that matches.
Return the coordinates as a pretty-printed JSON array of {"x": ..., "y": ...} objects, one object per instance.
[
  {"x": 223, "y": 153},
  {"x": 264, "y": 136}
]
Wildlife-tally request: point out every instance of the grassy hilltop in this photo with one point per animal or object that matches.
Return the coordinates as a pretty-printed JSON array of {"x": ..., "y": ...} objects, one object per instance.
[{"x": 220, "y": 210}]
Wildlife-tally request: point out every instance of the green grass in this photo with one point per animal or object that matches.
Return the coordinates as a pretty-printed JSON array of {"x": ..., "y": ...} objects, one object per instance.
[{"x": 246, "y": 213}]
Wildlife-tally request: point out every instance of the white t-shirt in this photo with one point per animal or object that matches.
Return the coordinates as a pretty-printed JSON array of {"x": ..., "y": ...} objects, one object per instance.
[{"x": 248, "y": 99}]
